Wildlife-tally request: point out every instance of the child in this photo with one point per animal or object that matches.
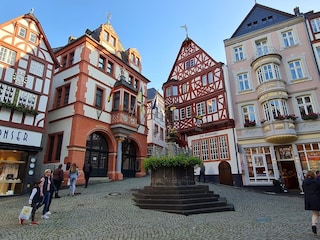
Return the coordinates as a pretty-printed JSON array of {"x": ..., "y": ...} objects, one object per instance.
[{"x": 34, "y": 200}]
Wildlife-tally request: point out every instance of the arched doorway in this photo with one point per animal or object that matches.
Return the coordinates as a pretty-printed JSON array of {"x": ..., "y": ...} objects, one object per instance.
[
  {"x": 225, "y": 175},
  {"x": 128, "y": 159},
  {"x": 97, "y": 153}
]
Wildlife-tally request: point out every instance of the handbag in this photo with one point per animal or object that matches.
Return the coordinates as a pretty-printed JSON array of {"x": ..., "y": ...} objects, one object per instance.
[
  {"x": 25, "y": 212},
  {"x": 68, "y": 183}
]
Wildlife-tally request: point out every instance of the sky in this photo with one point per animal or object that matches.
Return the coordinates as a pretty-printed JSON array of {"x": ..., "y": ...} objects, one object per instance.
[{"x": 151, "y": 26}]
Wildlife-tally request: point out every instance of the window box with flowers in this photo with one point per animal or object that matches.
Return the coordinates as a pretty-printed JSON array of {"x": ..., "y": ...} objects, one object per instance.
[
  {"x": 248, "y": 123},
  {"x": 279, "y": 117},
  {"x": 291, "y": 116},
  {"x": 310, "y": 116}
]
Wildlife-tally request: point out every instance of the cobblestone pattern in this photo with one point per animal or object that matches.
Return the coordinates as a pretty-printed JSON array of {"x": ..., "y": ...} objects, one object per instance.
[{"x": 100, "y": 213}]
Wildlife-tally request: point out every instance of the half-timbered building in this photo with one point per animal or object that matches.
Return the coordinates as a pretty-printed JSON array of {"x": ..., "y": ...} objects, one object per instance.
[
  {"x": 27, "y": 66},
  {"x": 198, "y": 108}
]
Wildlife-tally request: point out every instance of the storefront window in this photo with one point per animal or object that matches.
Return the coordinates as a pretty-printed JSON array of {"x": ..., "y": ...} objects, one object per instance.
[
  {"x": 12, "y": 170},
  {"x": 309, "y": 155},
  {"x": 259, "y": 164}
]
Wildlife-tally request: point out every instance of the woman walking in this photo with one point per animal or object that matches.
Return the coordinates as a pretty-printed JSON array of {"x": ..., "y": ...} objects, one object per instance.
[
  {"x": 311, "y": 190},
  {"x": 73, "y": 175}
]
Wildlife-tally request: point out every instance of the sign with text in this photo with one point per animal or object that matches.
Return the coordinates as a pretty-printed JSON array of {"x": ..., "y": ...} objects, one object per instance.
[{"x": 20, "y": 136}]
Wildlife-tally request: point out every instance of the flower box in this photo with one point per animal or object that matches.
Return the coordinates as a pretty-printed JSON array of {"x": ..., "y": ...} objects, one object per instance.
[{"x": 310, "y": 116}]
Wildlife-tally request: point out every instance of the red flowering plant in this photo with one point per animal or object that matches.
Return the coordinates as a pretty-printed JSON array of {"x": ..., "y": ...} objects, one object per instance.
[
  {"x": 310, "y": 116},
  {"x": 279, "y": 117},
  {"x": 291, "y": 116}
]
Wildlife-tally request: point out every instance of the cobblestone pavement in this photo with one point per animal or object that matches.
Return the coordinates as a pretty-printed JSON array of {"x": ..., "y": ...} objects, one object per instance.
[{"x": 106, "y": 210}]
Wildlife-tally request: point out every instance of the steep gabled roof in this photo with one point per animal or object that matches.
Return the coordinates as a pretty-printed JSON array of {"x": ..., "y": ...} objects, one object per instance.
[
  {"x": 42, "y": 35},
  {"x": 152, "y": 92},
  {"x": 260, "y": 17},
  {"x": 183, "y": 55}
]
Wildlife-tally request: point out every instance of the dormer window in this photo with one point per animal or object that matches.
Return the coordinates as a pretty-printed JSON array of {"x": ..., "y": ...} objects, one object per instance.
[
  {"x": 105, "y": 36},
  {"x": 112, "y": 41}
]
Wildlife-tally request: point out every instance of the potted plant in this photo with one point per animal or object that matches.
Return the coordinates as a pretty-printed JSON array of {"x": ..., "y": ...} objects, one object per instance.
[{"x": 172, "y": 170}]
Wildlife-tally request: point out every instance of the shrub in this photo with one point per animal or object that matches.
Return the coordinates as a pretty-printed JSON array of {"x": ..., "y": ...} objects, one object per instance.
[{"x": 153, "y": 162}]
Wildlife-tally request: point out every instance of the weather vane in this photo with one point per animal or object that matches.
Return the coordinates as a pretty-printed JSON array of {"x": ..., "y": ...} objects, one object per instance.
[
  {"x": 108, "y": 18},
  {"x": 185, "y": 28}
]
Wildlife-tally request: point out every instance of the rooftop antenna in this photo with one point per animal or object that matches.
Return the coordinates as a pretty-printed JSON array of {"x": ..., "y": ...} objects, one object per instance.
[
  {"x": 108, "y": 18},
  {"x": 186, "y": 29}
]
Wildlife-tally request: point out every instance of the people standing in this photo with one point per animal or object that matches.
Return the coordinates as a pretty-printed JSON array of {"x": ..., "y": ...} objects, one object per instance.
[
  {"x": 87, "y": 169},
  {"x": 73, "y": 176},
  {"x": 202, "y": 173},
  {"x": 34, "y": 201},
  {"x": 53, "y": 189},
  {"x": 311, "y": 190},
  {"x": 58, "y": 179},
  {"x": 45, "y": 188}
]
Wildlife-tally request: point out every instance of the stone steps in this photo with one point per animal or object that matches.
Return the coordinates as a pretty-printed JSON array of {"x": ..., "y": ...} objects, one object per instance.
[{"x": 186, "y": 200}]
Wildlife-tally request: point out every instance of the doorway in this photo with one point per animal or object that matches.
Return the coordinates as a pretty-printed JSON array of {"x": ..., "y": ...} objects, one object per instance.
[
  {"x": 128, "y": 159},
  {"x": 225, "y": 175},
  {"x": 289, "y": 174},
  {"x": 97, "y": 154}
]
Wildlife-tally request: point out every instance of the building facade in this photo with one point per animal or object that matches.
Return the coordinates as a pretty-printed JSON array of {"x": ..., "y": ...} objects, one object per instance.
[
  {"x": 199, "y": 110},
  {"x": 97, "y": 109},
  {"x": 157, "y": 145},
  {"x": 27, "y": 66},
  {"x": 275, "y": 88}
]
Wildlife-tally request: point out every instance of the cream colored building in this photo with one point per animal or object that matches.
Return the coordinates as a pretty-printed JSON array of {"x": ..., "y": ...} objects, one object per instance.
[{"x": 274, "y": 83}]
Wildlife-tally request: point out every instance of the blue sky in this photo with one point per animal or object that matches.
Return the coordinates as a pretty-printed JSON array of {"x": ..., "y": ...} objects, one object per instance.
[{"x": 151, "y": 26}]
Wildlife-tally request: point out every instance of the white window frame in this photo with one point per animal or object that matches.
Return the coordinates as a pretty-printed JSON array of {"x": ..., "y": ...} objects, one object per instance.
[
  {"x": 182, "y": 113},
  {"x": 243, "y": 82},
  {"x": 288, "y": 38},
  {"x": 210, "y": 77},
  {"x": 248, "y": 112},
  {"x": 238, "y": 53},
  {"x": 7, "y": 55},
  {"x": 33, "y": 38},
  {"x": 201, "y": 109},
  {"x": 191, "y": 62},
  {"x": 204, "y": 80},
  {"x": 315, "y": 24},
  {"x": 22, "y": 32},
  {"x": 268, "y": 72},
  {"x": 174, "y": 91},
  {"x": 262, "y": 47},
  {"x": 212, "y": 106},
  {"x": 296, "y": 69},
  {"x": 305, "y": 104},
  {"x": 188, "y": 112}
]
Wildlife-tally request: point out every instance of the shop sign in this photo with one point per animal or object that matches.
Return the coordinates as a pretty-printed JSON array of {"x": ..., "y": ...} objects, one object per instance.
[{"x": 20, "y": 136}]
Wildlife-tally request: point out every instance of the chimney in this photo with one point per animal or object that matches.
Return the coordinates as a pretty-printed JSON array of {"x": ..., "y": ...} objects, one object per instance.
[
  {"x": 296, "y": 11},
  {"x": 71, "y": 39}
]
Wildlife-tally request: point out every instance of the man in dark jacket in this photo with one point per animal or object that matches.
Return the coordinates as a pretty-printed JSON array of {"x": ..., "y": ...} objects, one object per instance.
[
  {"x": 58, "y": 179},
  {"x": 87, "y": 169},
  {"x": 311, "y": 188}
]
